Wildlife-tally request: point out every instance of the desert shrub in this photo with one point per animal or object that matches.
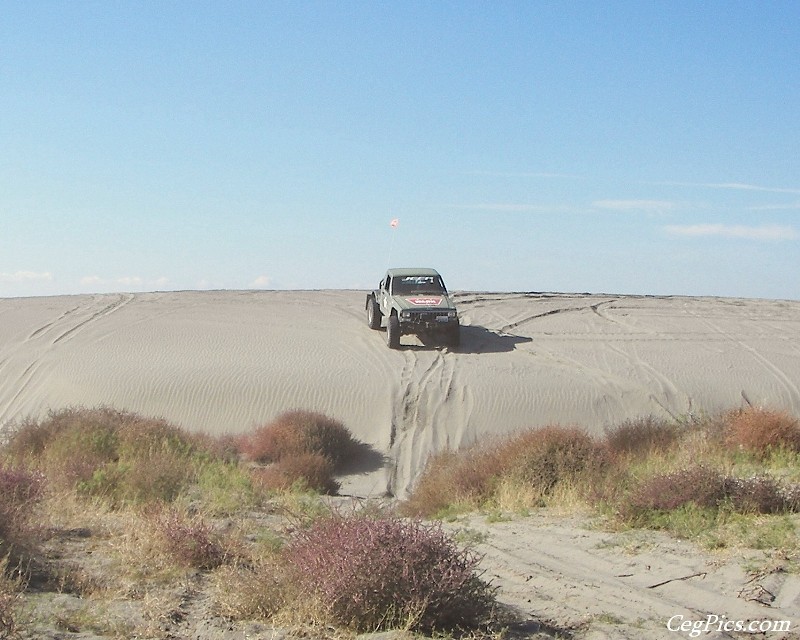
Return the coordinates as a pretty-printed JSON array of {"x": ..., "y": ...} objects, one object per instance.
[
  {"x": 188, "y": 540},
  {"x": 385, "y": 572},
  {"x": 20, "y": 490},
  {"x": 791, "y": 497},
  {"x": 117, "y": 455},
  {"x": 67, "y": 447},
  {"x": 702, "y": 486},
  {"x": 760, "y": 431},
  {"x": 708, "y": 488},
  {"x": 535, "y": 460},
  {"x": 544, "y": 457},
  {"x": 299, "y": 432},
  {"x": 305, "y": 471},
  {"x": 157, "y": 477},
  {"x": 251, "y": 591},
  {"x": 221, "y": 448},
  {"x": 455, "y": 478},
  {"x": 756, "y": 494},
  {"x": 225, "y": 488},
  {"x": 642, "y": 436}
]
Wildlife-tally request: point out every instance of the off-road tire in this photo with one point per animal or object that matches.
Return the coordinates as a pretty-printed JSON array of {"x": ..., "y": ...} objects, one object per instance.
[
  {"x": 374, "y": 314},
  {"x": 393, "y": 332}
]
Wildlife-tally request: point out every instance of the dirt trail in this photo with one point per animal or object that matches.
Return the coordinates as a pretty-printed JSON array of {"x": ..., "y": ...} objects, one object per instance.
[
  {"x": 572, "y": 575},
  {"x": 431, "y": 408}
]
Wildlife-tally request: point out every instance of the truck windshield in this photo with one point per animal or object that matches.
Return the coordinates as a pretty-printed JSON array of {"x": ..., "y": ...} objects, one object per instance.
[{"x": 418, "y": 284}]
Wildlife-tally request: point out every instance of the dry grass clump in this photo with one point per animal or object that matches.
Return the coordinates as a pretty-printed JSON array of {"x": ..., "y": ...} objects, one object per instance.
[
  {"x": 377, "y": 573},
  {"x": 303, "y": 448},
  {"x": 189, "y": 540},
  {"x": 20, "y": 491},
  {"x": 456, "y": 479},
  {"x": 545, "y": 457},
  {"x": 252, "y": 591},
  {"x": 530, "y": 464},
  {"x": 10, "y": 589},
  {"x": 761, "y": 432},
  {"x": 642, "y": 436},
  {"x": 117, "y": 455},
  {"x": 646, "y": 472}
]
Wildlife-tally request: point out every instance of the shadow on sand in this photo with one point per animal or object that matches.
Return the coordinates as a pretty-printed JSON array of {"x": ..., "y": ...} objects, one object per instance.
[
  {"x": 474, "y": 339},
  {"x": 365, "y": 459}
]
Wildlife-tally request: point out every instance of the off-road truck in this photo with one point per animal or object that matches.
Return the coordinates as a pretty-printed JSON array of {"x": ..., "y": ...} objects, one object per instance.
[{"x": 413, "y": 301}]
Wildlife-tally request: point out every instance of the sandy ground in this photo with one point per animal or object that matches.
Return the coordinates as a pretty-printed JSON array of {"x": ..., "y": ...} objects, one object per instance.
[
  {"x": 226, "y": 361},
  {"x": 570, "y": 575},
  {"x": 557, "y": 576}
]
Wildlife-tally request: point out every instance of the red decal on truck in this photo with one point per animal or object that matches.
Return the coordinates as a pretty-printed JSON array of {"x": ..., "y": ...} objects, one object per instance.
[{"x": 425, "y": 302}]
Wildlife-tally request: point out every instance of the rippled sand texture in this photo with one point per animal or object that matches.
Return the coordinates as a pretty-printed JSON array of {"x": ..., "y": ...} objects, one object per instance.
[{"x": 226, "y": 361}]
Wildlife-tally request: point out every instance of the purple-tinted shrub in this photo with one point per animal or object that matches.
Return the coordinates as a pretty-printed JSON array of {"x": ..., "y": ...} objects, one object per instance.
[
  {"x": 20, "y": 490},
  {"x": 756, "y": 494},
  {"x": 382, "y": 573},
  {"x": 700, "y": 485},
  {"x": 710, "y": 489}
]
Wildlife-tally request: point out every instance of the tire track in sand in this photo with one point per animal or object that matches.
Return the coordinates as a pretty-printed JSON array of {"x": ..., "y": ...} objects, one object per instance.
[
  {"x": 781, "y": 378},
  {"x": 430, "y": 413},
  {"x": 23, "y": 368}
]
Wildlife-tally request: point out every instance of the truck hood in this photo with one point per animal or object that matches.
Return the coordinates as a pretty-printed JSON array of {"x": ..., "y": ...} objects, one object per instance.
[{"x": 423, "y": 301}]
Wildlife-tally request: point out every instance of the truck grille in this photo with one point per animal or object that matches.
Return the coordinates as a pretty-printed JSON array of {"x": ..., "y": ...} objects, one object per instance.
[{"x": 428, "y": 316}]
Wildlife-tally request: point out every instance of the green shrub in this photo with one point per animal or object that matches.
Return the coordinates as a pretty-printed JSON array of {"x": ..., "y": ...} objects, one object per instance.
[{"x": 116, "y": 455}]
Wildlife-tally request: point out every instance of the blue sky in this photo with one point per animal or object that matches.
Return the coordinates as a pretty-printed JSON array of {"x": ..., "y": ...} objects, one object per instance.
[{"x": 617, "y": 147}]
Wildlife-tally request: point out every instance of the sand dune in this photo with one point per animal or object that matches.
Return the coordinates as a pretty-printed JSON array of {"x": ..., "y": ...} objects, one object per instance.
[{"x": 225, "y": 361}]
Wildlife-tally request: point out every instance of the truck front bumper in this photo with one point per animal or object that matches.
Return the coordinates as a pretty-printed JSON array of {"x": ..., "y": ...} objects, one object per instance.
[{"x": 412, "y": 321}]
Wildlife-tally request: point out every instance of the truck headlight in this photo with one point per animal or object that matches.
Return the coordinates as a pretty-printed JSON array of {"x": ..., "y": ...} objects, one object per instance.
[
  {"x": 452, "y": 314},
  {"x": 405, "y": 314}
]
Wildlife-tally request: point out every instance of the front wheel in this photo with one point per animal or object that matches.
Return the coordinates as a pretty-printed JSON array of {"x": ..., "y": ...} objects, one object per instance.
[{"x": 393, "y": 332}]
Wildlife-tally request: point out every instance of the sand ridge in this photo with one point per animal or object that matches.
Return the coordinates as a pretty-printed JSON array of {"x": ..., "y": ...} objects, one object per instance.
[{"x": 224, "y": 361}]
